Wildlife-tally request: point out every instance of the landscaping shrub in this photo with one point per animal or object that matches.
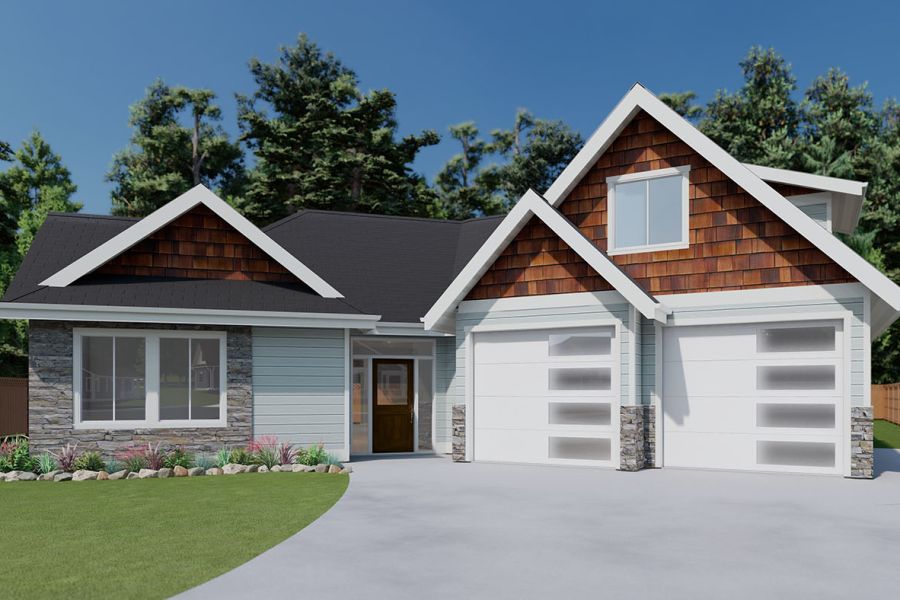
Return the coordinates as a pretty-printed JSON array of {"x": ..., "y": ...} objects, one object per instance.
[
  {"x": 154, "y": 456},
  {"x": 315, "y": 455},
  {"x": 264, "y": 451},
  {"x": 66, "y": 457},
  {"x": 45, "y": 463},
  {"x": 90, "y": 461},
  {"x": 204, "y": 461},
  {"x": 15, "y": 455},
  {"x": 178, "y": 458},
  {"x": 240, "y": 456},
  {"x": 134, "y": 458},
  {"x": 113, "y": 465},
  {"x": 287, "y": 453},
  {"x": 222, "y": 457}
]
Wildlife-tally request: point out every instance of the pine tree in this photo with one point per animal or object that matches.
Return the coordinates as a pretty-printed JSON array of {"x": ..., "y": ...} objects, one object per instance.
[
  {"x": 759, "y": 123},
  {"x": 536, "y": 151},
  {"x": 320, "y": 142},
  {"x": 36, "y": 184},
  {"x": 167, "y": 157}
]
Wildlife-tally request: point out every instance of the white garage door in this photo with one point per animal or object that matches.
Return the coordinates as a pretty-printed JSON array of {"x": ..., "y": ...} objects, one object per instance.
[
  {"x": 546, "y": 396},
  {"x": 759, "y": 397}
]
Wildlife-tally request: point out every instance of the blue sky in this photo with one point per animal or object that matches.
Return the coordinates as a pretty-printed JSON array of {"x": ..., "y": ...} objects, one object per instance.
[{"x": 72, "y": 69}]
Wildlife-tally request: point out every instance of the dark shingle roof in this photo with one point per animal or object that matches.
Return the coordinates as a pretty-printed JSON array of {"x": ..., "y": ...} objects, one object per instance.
[{"x": 395, "y": 267}]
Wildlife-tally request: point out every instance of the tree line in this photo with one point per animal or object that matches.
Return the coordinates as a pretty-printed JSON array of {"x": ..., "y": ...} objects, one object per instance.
[{"x": 315, "y": 140}]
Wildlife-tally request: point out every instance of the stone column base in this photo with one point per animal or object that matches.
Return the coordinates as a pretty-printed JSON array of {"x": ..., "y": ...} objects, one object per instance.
[
  {"x": 459, "y": 433},
  {"x": 862, "y": 440},
  {"x": 637, "y": 437}
]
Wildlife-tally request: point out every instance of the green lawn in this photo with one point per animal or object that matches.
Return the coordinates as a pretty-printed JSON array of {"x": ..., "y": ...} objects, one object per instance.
[
  {"x": 887, "y": 435},
  {"x": 148, "y": 538}
]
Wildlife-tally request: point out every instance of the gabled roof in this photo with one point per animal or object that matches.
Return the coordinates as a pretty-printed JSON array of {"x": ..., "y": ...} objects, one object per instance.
[
  {"x": 161, "y": 217},
  {"x": 886, "y": 304},
  {"x": 394, "y": 267},
  {"x": 533, "y": 205},
  {"x": 848, "y": 195}
]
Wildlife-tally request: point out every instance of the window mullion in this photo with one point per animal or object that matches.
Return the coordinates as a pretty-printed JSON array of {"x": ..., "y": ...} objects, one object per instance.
[
  {"x": 113, "y": 378},
  {"x": 153, "y": 380},
  {"x": 190, "y": 377}
]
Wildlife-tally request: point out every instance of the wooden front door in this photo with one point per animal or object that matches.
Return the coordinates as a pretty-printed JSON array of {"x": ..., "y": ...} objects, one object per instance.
[{"x": 392, "y": 405}]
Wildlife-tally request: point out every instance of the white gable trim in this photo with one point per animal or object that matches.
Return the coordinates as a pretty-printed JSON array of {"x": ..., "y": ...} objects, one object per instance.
[
  {"x": 808, "y": 180},
  {"x": 639, "y": 98},
  {"x": 532, "y": 204},
  {"x": 168, "y": 213}
]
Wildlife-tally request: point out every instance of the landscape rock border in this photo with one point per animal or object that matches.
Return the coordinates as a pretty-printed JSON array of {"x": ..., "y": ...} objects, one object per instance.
[{"x": 229, "y": 469}]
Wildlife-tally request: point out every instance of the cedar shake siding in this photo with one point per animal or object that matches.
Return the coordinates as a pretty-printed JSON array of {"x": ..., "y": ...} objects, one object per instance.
[
  {"x": 197, "y": 245},
  {"x": 735, "y": 242}
]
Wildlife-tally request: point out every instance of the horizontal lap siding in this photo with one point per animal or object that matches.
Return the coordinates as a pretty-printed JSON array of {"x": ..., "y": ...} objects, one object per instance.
[
  {"x": 445, "y": 367},
  {"x": 816, "y": 212},
  {"x": 568, "y": 314},
  {"x": 647, "y": 358},
  {"x": 805, "y": 308},
  {"x": 298, "y": 385}
]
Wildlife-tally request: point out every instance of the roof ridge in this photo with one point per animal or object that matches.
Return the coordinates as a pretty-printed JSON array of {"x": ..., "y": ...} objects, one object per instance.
[
  {"x": 349, "y": 213},
  {"x": 57, "y": 213}
]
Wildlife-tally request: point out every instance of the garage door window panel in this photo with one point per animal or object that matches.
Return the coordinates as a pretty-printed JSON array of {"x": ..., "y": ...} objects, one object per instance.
[
  {"x": 794, "y": 415},
  {"x": 579, "y": 379},
  {"x": 580, "y": 344},
  {"x": 797, "y": 339},
  {"x": 795, "y": 454},
  {"x": 796, "y": 377},
  {"x": 579, "y": 413},
  {"x": 579, "y": 448}
]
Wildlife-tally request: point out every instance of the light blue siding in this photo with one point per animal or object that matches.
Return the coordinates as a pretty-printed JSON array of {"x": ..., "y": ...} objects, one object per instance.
[
  {"x": 817, "y": 212},
  {"x": 298, "y": 385},
  {"x": 647, "y": 360},
  {"x": 445, "y": 367},
  {"x": 806, "y": 307}
]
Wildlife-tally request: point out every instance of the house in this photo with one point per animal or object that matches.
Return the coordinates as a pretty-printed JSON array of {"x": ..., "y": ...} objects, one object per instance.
[{"x": 660, "y": 305}]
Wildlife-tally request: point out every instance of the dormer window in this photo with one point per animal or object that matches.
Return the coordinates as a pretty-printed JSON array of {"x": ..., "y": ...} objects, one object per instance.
[{"x": 648, "y": 211}]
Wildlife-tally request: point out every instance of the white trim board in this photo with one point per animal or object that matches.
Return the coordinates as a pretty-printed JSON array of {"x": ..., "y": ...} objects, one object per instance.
[
  {"x": 765, "y": 296},
  {"x": 166, "y": 214},
  {"x": 639, "y": 98},
  {"x": 536, "y": 302},
  {"x": 195, "y": 316},
  {"x": 531, "y": 204}
]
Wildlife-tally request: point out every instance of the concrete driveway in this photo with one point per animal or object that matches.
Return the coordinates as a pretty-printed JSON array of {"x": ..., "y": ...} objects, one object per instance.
[{"x": 428, "y": 528}]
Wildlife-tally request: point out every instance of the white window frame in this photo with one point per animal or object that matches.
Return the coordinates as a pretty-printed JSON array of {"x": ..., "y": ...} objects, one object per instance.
[
  {"x": 151, "y": 379},
  {"x": 815, "y": 198},
  {"x": 612, "y": 182}
]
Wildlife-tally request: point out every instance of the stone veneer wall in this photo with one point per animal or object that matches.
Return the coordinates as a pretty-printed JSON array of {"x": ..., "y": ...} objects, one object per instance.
[
  {"x": 637, "y": 441},
  {"x": 649, "y": 423},
  {"x": 862, "y": 452},
  {"x": 425, "y": 416},
  {"x": 459, "y": 433},
  {"x": 631, "y": 438},
  {"x": 51, "y": 411}
]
